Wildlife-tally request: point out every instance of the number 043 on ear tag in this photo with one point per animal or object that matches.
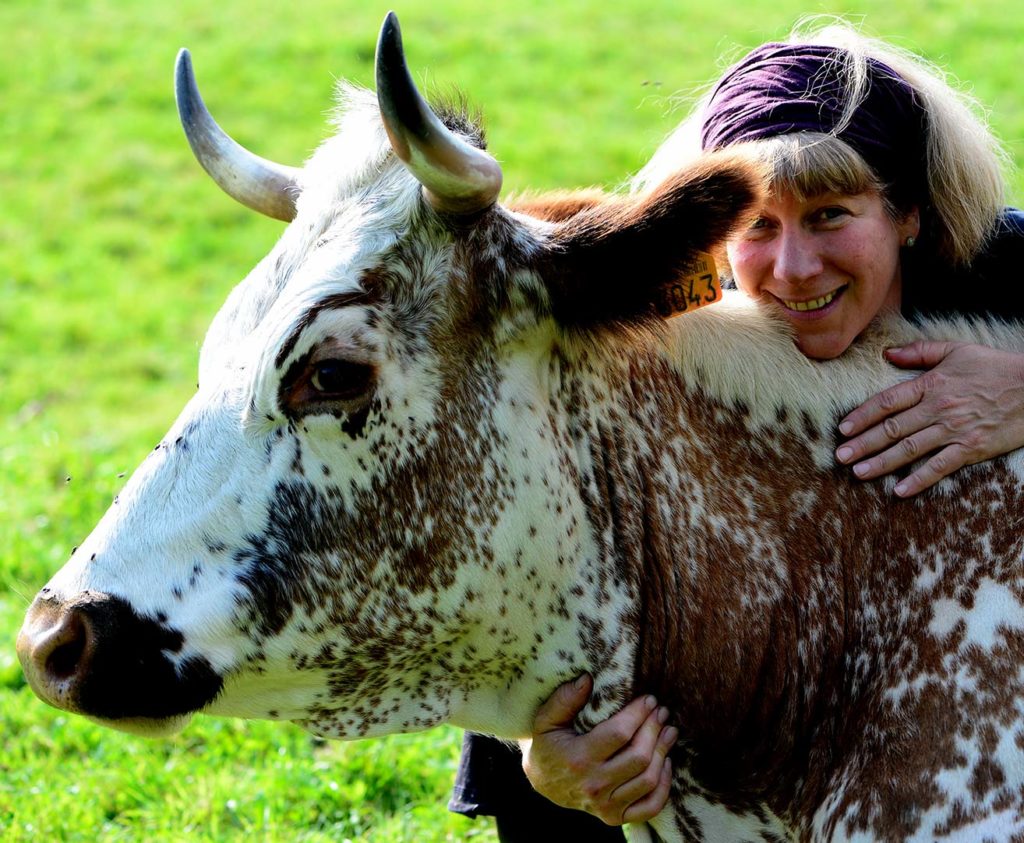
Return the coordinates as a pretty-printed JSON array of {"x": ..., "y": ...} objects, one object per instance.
[{"x": 696, "y": 286}]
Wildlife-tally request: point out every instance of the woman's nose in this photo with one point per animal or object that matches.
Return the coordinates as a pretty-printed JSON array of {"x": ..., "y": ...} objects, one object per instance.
[{"x": 797, "y": 257}]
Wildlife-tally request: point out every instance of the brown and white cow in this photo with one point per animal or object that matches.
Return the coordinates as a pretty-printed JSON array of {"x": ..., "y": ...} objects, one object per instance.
[{"x": 442, "y": 458}]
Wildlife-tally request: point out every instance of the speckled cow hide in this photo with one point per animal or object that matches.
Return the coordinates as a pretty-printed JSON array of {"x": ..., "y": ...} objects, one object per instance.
[{"x": 519, "y": 477}]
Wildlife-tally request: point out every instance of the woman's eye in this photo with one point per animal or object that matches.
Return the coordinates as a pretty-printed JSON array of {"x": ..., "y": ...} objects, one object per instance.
[
  {"x": 758, "y": 229},
  {"x": 340, "y": 378},
  {"x": 831, "y": 214}
]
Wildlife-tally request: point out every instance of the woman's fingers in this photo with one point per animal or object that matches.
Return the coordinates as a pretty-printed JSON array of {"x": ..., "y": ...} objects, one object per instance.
[
  {"x": 612, "y": 735},
  {"x": 967, "y": 409},
  {"x": 942, "y": 464},
  {"x": 647, "y": 781},
  {"x": 560, "y": 709},
  {"x": 633, "y": 760},
  {"x": 901, "y": 444},
  {"x": 616, "y": 769},
  {"x": 901, "y": 439},
  {"x": 650, "y": 806},
  {"x": 902, "y": 396}
]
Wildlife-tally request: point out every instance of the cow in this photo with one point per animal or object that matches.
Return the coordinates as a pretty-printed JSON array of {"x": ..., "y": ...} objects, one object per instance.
[{"x": 446, "y": 454}]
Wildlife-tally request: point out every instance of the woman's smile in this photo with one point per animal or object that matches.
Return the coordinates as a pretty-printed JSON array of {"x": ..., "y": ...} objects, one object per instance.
[{"x": 812, "y": 308}]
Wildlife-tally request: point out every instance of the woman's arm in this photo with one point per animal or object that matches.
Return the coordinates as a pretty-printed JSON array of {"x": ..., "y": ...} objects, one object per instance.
[
  {"x": 966, "y": 408},
  {"x": 618, "y": 771}
]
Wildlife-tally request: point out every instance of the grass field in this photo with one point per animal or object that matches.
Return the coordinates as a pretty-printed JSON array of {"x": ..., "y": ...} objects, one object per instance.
[{"x": 116, "y": 251}]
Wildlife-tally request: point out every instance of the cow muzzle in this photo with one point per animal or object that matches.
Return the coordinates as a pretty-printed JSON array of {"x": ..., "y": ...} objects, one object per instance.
[{"x": 95, "y": 655}]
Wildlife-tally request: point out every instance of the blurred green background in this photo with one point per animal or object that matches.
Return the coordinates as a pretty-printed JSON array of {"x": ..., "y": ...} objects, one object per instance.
[{"x": 116, "y": 251}]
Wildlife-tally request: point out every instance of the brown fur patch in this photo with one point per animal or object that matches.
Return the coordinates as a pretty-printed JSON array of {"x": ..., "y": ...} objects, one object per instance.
[{"x": 558, "y": 205}]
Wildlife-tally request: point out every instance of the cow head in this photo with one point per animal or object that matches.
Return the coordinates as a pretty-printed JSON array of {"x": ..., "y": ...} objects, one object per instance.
[{"x": 368, "y": 517}]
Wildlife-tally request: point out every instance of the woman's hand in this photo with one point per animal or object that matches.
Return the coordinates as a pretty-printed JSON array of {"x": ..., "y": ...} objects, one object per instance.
[
  {"x": 618, "y": 772},
  {"x": 966, "y": 408}
]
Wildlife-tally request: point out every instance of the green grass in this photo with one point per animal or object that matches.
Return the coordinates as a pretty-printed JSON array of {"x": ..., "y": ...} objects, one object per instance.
[
  {"x": 116, "y": 250},
  {"x": 224, "y": 780}
]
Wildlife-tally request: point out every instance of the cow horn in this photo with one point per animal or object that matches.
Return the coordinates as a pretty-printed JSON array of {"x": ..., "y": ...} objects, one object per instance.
[
  {"x": 457, "y": 177},
  {"x": 255, "y": 182}
]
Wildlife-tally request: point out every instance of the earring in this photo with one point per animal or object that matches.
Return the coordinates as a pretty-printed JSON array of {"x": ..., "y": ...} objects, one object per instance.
[{"x": 910, "y": 242}]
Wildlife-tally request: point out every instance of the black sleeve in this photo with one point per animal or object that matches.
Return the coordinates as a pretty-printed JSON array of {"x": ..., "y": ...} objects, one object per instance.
[
  {"x": 993, "y": 285},
  {"x": 1000, "y": 267}
]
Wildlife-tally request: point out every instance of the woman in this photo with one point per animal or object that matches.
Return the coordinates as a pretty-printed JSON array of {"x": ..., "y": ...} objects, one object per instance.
[{"x": 885, "y": 192}]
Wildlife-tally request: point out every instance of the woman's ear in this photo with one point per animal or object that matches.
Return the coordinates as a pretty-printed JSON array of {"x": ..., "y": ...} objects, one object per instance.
[{"x": 909, "y": 227}]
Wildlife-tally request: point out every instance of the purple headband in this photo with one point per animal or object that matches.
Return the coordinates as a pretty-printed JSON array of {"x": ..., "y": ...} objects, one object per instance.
[{"x": 780, "y": 89}]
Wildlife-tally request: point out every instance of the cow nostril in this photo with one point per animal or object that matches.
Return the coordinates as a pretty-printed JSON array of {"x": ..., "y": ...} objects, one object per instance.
[
  {"x": 65, "y": 658},
  {"x": 55, "y": 647}
]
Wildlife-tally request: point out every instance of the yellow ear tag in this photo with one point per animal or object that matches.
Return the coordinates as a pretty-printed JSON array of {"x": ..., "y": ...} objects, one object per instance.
[{"x": 696, "y": 286}]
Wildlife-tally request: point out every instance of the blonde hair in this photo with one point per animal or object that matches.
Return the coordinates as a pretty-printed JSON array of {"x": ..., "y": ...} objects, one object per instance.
[
  {"x": 808, "y": 164},
  {"x": 965, "y": 162}
]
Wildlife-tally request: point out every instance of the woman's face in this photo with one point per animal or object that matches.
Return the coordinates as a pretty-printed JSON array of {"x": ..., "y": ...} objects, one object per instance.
[{"x": 829, "y": 264}]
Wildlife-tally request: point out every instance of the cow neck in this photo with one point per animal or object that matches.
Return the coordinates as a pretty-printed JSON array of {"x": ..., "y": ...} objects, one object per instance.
[{"x": 680, "y": 500}]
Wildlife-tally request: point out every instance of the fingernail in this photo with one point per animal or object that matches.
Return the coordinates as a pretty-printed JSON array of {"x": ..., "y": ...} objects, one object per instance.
[
  {"x": 900, "y": 489},
  {"x": 580, "y": 681},
  {"x": 861, "y": 468},
  {"x": 662, "y": 715},
  {"x": 671, "y": 733},
  {"x": 845, "y": 453},
  {"x": 650, "y": 702},
  {"x": 845, "y": 427}
]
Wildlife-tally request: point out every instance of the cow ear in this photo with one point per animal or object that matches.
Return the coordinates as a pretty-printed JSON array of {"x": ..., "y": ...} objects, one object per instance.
[{"x": 613, "y": 262}]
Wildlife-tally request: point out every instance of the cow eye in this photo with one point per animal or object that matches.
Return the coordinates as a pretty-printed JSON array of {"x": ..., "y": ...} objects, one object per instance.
[
  {"x": 332, "y": 385},
  {"x": 340, "y": 378}
]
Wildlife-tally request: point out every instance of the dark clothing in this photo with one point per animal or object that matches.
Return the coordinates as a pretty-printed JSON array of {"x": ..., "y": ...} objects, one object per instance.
[
  {"x": 993, "y": 285},
  {"x": 491, "y": 781},
  {"x": 483, "y": 762}
]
